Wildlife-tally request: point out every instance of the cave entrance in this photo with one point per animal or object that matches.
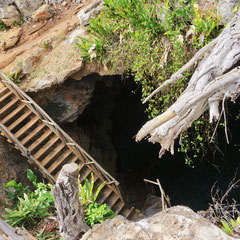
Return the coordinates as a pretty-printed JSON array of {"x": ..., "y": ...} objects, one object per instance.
[{"x": 106, "y": 130}]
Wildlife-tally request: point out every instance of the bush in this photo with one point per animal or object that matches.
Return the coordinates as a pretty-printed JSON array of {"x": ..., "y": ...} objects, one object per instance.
[
  {"x": 33, "y": 206},
  {"x": 93, "y": 211}
]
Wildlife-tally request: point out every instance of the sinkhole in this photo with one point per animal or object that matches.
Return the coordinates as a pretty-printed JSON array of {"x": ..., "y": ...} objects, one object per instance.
[{"x": 112, "y": 115}]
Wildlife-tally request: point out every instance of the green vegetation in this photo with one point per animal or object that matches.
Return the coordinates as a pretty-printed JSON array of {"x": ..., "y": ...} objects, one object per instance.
[
  {"x": 153, "y": 40},
  {"x": 15, "y": 78},
  {"x": 93, "y": 211},
  {"x": 228, "y": 226},
  {"x": 29, "y": 207},
  {"x": 3, "y": 26},
  {"x": 32, "y": 206}
]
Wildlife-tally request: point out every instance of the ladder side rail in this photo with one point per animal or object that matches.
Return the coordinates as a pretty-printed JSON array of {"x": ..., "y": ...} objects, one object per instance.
[
  {"x": 43, "y": 115},
  {"x": 25, "y": 152}
]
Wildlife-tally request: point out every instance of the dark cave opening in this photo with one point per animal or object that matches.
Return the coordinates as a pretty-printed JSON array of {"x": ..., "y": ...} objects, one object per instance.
[{"x": 107, "y": 128}]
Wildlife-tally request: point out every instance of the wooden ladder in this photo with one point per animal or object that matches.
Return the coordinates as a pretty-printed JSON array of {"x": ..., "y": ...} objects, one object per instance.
[{"x": 47, "y": 146}]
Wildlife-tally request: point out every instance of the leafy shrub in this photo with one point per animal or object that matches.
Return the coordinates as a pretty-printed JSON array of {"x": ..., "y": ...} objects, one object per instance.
[
  {"x": 18, "y": 191},
  {"x": 96, "y": 213},
  {"x": 93, "y": 211},
  {"x": 29, "y": 211},
  {"x": 33, "y": 206},
  {"x": 85, "y": 194}
]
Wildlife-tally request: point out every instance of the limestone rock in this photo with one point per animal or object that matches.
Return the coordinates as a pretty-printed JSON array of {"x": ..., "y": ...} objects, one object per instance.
[
  {"x": 225, "y": 9},
  {"x": 43, "y": 13},
  {"x": 30, "y": 62},
  {"x": 174, "y": 223},
  {"x": 89, "y": 12},
  {"x": 9, "y": 38},
  {"x": 27, "y": 7},
  {"x": 9, "y": 14}
]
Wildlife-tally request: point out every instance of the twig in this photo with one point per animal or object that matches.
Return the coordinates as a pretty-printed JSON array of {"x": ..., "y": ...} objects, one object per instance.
[{"x": 225, "y": 119}]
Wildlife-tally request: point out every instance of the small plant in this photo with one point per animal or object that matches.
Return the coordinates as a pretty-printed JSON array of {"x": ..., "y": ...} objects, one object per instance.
[
  {"x": 15, "y": 77},
  {"x": 18, "y": 191},
  {"x": 43, "y": 235},
  {"x": 97, "y": 213},
  {"x": 33, "y": 206},
  {"x": 29, "y": 211},
  {"x": 86, "y": 191},
  {"x": 93, "y": 211},
  {"x": 3, "y": 26},
  {"x": 228, "y": 226}
]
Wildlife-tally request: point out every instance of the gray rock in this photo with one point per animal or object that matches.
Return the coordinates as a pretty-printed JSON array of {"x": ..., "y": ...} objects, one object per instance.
[
  {"x": 9, "y": 14},
  {"x": 174, "y": 223},
  {"x": 27, "y": 7},
  {"x": 89, "y": 12},
  {"x": 225, "y": 9}
]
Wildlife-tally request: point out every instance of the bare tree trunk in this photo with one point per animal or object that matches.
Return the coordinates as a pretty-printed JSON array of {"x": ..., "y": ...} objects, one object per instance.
[
  {"x": 69, "y": 209},
  {"x": 212, "y": 82}
]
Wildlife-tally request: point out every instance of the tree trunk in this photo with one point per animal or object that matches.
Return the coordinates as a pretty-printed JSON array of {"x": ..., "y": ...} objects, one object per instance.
[
  {"x": 69, "y": 209},
  {"x": 213, "y": 81}
]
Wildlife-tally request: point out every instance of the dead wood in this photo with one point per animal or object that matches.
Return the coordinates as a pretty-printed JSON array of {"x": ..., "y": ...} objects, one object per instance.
[
  {"x": 212, "y": 81},
  {"x": 69, "y": 209}
]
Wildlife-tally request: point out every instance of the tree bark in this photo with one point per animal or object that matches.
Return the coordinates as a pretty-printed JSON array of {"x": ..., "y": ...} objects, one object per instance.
[
  {"x": 212, "y": 81},
  {"x": 69, "y": 209}
]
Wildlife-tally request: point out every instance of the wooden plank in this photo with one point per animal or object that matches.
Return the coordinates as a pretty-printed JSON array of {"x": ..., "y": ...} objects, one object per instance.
[
  {"x": 13, "y": 113},
  {"x": 9, "y": 105},
  {"x": 3, "y": 90},
  {"x": 59, "y": 161},
  {"x": 38, "y": 141},
  {"x": 48, "y": 145},
  {"x": 106, "y": 191},
  {"x": 19, "y": 120},
  {"x": 5, "y": 96},
  {"x": 52, "y": 154},
  {"x": 85, "y": 174},
  {"x": 24, "y": 129}
]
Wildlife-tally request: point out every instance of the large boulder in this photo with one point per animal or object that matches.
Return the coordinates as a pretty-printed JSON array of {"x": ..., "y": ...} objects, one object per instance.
[
  {"x": 174, "y": 223},
  {"x": 27, "y": 7},
  {"x": 9, "y": 38},
  {"x": 9, "y": 15}
]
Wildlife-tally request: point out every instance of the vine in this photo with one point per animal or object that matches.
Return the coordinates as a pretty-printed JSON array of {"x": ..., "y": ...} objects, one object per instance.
[{"x": 152, "y": 40}]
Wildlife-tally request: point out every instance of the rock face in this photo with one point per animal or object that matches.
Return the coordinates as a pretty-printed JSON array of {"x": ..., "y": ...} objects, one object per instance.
[
  {"x": 174, "y": 223},
  {"x": 12, "y": 166},
  {"x": 89, "y": 12},
  {"x": 9, "y": 38}
]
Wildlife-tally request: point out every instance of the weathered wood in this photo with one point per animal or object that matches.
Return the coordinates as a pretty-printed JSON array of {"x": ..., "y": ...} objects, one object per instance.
[
  {"x": 212, "y": 81},
  {"x": 69, "y": 210}
]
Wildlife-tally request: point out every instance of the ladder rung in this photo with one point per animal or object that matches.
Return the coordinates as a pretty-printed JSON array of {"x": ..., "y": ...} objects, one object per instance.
[
  {"x": 129, "y": 213},
  {"x": 19, "y": 120},
  {"x": 106, "y": 191},
  {"x": 13, "y": 113},
  {"x": 26, "y": 127},
  {"x": 52, "y": 154},
  {"x": 3, "y": 90},
  {"x": 5, "y": 96},
  {"x": 85, "y": 174},
  {"x": 32, "y": 134},
  {"x": 38, "y": 141},
  {"x": 59, "y": 161},
  {"x": 49, "y": 144},
  {"x": 10, "y": 104}
]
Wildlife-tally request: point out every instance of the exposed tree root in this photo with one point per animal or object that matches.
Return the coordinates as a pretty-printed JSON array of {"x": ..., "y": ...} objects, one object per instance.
[{"x": 212, "y": 81}]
